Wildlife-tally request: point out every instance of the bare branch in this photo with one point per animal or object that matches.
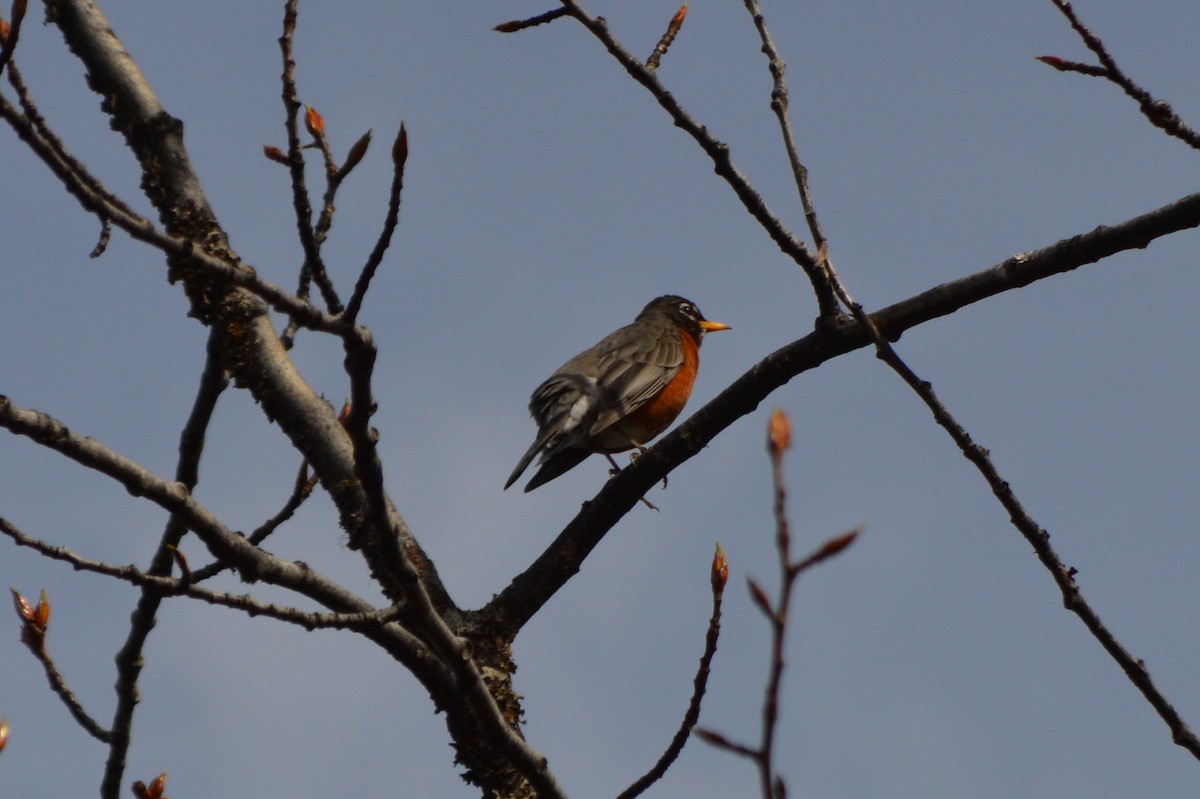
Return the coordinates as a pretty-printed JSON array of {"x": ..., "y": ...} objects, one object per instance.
[
  {"x": 522, "y": 24},
  {"x": 423, "y": 612},
  {"x": 720, "y": 573},
  {"x": 162, "y": 586},
  {"x": 252, "y": 563},
  {"x": 719, "y": 153},
  {"x": 251, "y": 349},
  {"x": 660, "y": 49},
  {"x": 94, "y": 198},
  {"x": 301, "y": 490},
  {"x": 779, "y": 105},
  {"x": 1038, "y": 538},
  {"x": 562, "y": 559},
  {"x": 1159, "y": 112},
  {"x": 34, "y": 622},
  {"x": 10, "y": 32},
  {"x": 314, "y": 266},
  {"x": 213, "y": 382},
  {"x": 763, "y": 755},
  {"x": 399, "y": 158}
]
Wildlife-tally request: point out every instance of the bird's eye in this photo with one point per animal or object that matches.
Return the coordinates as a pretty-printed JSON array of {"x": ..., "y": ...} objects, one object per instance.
[{"x": 687, "y": 309}]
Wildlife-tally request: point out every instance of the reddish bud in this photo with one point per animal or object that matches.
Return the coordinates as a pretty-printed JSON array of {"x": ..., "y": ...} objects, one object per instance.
[
  {"x": 714, "y": 738},
  {"x": 41, "y": 614},
  {"x": 760, "y": 597},
  {"x": 1063, "y": 65},
  {"x": 5, "y": 30},
  {"x": 314, "y": 122},
  {"x": 835, "y": 545},
  {"x": 357, "y": 152},
  {"x": 779, "y": 432},
  {"x": 275, "y": 154},
  {"x": 720, "y": 571},
  {"x": 155, "y": 789},
  {"x": 3, "y": 733},
  {"x": 677, "y": 20},
  {"x": 400, "y": 148},
  {"x": 24, "y": 609},
  {"x": 185, "y": 571}
]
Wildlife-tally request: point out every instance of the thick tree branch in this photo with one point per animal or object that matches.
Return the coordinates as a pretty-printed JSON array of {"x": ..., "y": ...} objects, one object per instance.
[
  {"x": 94, "y": 198},
  {"x": 517, "y": 603},
  {"x": 254, "y": 355},
  {"x": 252, "y": 563},
  {"x": 251, "y": 350}
]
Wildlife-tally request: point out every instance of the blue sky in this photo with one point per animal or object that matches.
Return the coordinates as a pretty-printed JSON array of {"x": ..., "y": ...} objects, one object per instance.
[{"x": 547, "y": 199}]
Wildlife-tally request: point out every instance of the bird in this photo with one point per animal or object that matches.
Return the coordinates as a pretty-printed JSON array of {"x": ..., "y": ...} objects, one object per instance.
[{"x": 620, "y": 393}]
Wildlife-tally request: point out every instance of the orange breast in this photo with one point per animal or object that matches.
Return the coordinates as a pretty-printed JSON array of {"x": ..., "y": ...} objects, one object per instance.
[{"x": 656, "y": 415}]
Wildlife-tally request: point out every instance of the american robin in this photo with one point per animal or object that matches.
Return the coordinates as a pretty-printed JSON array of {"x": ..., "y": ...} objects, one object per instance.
[{"x": 619, "y": 394}]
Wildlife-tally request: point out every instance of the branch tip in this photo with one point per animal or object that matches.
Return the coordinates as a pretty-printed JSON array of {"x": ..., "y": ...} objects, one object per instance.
[
  {"x": 357, "y": 151},
  {"x": 400, "y": 148},
  {"x": 779, "y": 432},
  {"x": 660, "y": 49},
  {"x": 512, "y": 26},
  {"x": 314, "y": 122},
  {"x": 720, "y": 571}
]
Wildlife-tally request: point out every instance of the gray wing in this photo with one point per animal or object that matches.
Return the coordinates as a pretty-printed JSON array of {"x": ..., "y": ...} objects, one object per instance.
[
  {"x": 633, "y": 373},
  {"x": 565, "y": 407}
]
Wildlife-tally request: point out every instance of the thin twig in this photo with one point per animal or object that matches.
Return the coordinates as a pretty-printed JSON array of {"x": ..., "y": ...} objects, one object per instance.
[
  {"x": 1037, "y": 537},
  {"x": 316, "y": 127},
  {"x": 595, "y": 519},
  {"x": 32, "y": 127},
  {"x": 718, "y": 151},
  {"x": 660, "y": 49},
  {"x": 778, "y": 441},
  {"x": 399, "y": 159},
  {"x": 213, "y": 382},
  {"x": 138, "y": 227},
  {"x": 10, "y": 33},
  {"x": 301, "y": 491},
  {"x": 771, "y": 784},
  {"x": 58, "y": 685},
  {"x": 314, "y": 266},
  {"x": 779, "y": 105},
  {"x": 521, "y": 24},
  {"x": 720, "y": 573},
  {"x": 173, "y": 587},
  {"x": 1159, "y": 112}
]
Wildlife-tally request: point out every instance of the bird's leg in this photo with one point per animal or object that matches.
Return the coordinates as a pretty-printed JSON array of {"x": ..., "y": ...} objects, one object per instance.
[
  {"x": 617, "y": 470},
  {"x": 633, "y": 456}
]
